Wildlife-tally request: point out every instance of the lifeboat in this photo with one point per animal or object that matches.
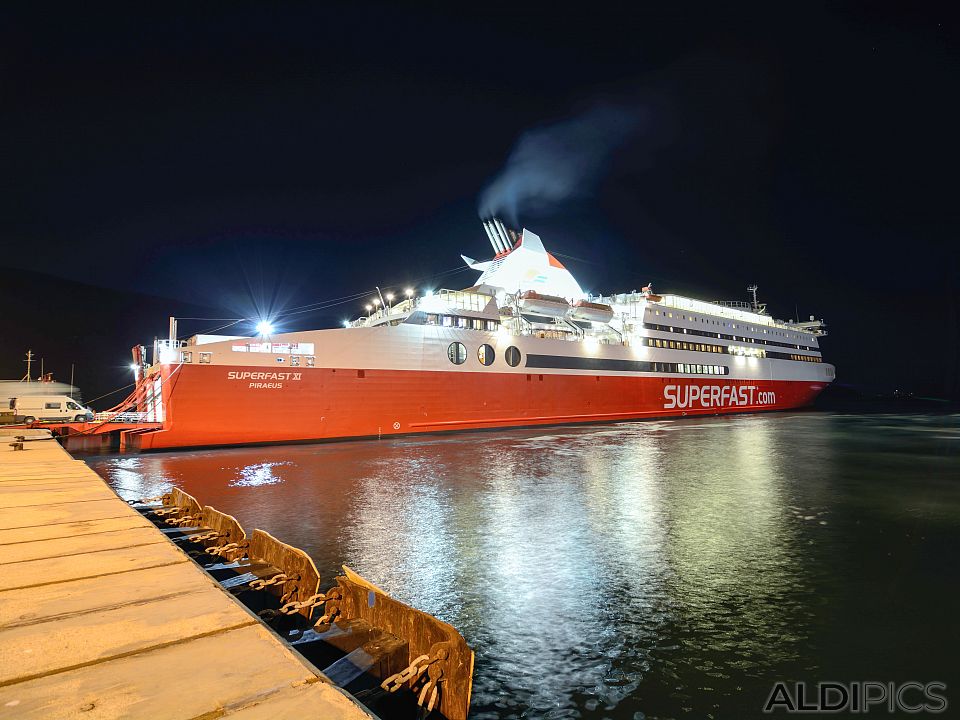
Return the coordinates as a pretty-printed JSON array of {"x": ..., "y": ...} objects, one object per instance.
[
  {"x": 594, "y": 312},
  {"x": 534, "y": 303}
]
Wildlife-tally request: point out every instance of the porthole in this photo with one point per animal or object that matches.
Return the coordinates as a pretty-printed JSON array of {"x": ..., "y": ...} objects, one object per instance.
[
  {"x": 512, "y": 356},
  {"x": 486, "y": 354},
  {"x": 457, "y": 353}
]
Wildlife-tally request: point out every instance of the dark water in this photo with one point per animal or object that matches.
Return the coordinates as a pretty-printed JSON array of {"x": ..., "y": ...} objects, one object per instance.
[{"x": 642, "y": 570}]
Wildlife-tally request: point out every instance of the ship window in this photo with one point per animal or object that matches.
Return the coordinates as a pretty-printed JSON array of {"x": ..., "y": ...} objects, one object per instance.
[
  {"x": 457, "y": 353},
  {"x": 432, "y": 319},
  {"x": 186, "y": 357},
  {"x": 205, "y": 357},
  {"x": 462, "y": 322},
  {"x": 492, "y": 324},
  {"x": 310, "y": 360},
  {"x": 477, "y": 324},
  {"x": 447, "y": 321},
  {"x": 512, "y": 356},
  {"x": 485, "y": 354},
  {"x": 295, "y": 360}
]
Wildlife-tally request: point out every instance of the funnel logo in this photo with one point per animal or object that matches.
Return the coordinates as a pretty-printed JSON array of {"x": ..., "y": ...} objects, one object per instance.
[{"x": 715, "y": 396}]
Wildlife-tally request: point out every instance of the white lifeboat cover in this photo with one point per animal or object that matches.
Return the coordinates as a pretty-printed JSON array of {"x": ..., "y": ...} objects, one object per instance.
[{"x": 530, "y": 267}]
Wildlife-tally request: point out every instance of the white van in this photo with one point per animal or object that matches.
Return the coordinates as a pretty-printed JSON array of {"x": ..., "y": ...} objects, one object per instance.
[{"x": 48, "y": 408}]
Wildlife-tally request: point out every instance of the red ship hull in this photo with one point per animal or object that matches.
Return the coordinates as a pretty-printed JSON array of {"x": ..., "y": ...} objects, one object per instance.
[{"x": 204, "y": 406}]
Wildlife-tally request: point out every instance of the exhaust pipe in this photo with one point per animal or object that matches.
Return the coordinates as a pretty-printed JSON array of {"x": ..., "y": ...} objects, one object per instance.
[
  {"x": 503, "y": 234},
  {"x": 493, "y": 236}
]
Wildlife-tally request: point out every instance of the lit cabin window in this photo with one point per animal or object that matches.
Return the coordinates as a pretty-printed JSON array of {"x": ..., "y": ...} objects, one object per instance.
[
  {"x": 205, "y": 357},
  {"x": 485, "y": 354},
  {"x": 457, "y": 353},
  {"x": 462, "y": 322},
  {"x": 311, "y": 360},
  {"x": 432, "y": 319},
  {"x": 512, "y": 356},
  {"x": 447, "y": 321}
]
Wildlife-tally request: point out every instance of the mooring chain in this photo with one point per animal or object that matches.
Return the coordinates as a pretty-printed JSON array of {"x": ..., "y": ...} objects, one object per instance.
[
  {"x": 429, "y": 694},
  {"x": 212, "y": 535},
  {"x": 144, "y": 501},
  {"x": 411, "y": 672},
  {"x": 293, "y": 607},
  {"x": 431, "y": 688},
  {"x": 260, "y": 584},
  {"x": 222, "y": 550}
]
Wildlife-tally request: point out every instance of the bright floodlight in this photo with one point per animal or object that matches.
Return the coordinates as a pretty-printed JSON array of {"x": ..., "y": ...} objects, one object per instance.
[
  {"x": 264, "y": 327},
  {"x": 369, "y": 307},
  {"x": 133, "y": 366},
  {"x": 346, "y": 323},
  {"x": 409, "y": 292},
  {"x": 376, "y": 302},
  {"x": 389, "y": 297}
]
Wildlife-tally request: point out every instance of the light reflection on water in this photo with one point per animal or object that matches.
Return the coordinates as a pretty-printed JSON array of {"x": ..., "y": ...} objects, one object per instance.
[{"x": 656, "y": 569}]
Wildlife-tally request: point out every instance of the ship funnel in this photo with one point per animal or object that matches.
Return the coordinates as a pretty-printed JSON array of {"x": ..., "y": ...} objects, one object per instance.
[
  {"x": 501, "y": 238},
  {"x": 503, "y": 233},
  {"x": 493, "y": 236}
]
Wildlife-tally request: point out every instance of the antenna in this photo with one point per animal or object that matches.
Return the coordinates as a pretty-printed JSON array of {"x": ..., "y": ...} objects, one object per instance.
[
  {"x": 29, "y": 362},
  {"x": 757, "y": 307}
]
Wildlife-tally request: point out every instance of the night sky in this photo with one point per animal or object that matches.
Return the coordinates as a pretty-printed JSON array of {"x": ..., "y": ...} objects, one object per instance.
[{"x": 243, "y": 159}]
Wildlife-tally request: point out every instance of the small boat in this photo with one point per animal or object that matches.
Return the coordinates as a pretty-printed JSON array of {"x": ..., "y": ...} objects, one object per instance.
[
  {"x": 549, "y": 305},
  {"x": 594, "y": 312}
]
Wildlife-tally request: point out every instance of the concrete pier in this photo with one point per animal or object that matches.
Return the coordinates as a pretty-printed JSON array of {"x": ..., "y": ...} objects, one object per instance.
[{"x": 101, "y": 616}]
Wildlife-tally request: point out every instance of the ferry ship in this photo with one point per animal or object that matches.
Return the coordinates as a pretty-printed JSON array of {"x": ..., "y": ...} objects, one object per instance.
[{"x": 524, "y": 346}]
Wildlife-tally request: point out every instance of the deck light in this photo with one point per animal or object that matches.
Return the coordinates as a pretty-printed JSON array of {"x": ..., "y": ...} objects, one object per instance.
[
  {"x": 369, "y": 307},
  {"x": 133, "y": 366},
  {"x": 376, "y": 302},
  {"x": 346, "y": 323},
  {"x": 389, "y": 297},
  {"x": 264, "y": 327},
  {"x": 409, "y": 292}
]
